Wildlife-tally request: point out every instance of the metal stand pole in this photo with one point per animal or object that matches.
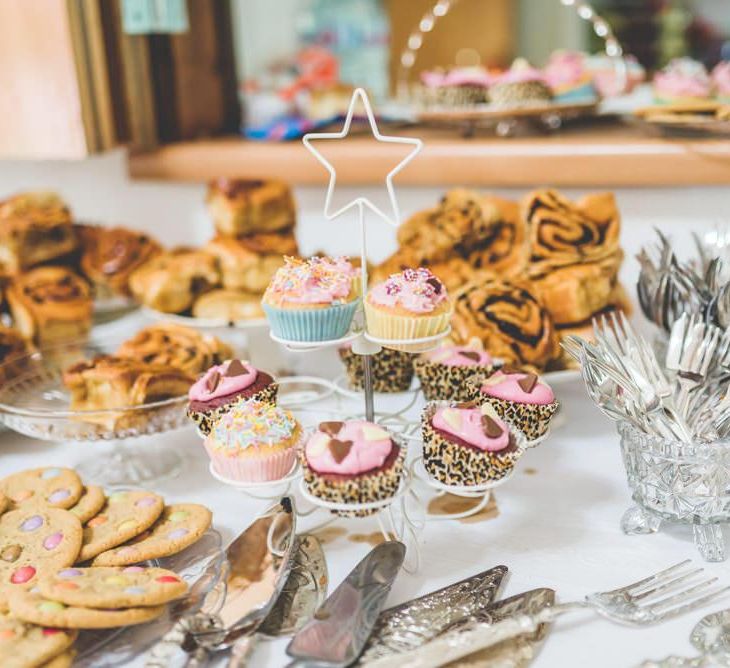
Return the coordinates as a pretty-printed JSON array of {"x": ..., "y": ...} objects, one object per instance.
[{"x": 367, "y": 365}]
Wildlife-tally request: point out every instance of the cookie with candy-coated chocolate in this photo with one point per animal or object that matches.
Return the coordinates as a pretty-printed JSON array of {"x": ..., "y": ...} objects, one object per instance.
[
  {"x": 23, "y": 644},
  {"x": 90, "y": 504},
  {"x": 48, "y": 486}
]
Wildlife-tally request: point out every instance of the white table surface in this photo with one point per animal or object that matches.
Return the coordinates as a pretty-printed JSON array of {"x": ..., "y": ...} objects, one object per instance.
[{"x": 558, "y": 527}]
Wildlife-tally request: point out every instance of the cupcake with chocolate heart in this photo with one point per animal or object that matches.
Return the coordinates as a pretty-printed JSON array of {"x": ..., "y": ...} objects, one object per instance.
[
  {"x": 443, "y": 372},
  {"x": 392, "y": 369},
  {"x": 519, "y": 397},
  {"x": 212, "y": 395},
  {"x": 465, "y": 444},
  {"x": 352, "y": 462}
]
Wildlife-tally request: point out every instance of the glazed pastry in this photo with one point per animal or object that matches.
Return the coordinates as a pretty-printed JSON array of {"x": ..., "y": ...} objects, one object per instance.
[
  {"x": 35, "y": 227},
  {"x": 177, "y": 346},
  {"x": 13, "y": 348},
  {"x": 110, "y": 255},
  {"x": 107, "y": 383},
  {"x": 215, "y": 391},
  {"x": 241, "y": 207},
  {"x": 228, "y": 306},
  {"x": 248, "y": 264},
  {"x": 682, "y": 81},
  {"x": 254, "y": 442},
  {"x": 520, "y": 86},
  {"x": 521, "y": 399},
  {"x": 352, "y": 462},
  {"x": 171, "y": 282},
  {"x": 465, "y": 444},
  {"x": 392, "y": 369},
  {"x": 50, "y": 304},
  {"x": 508, "y": 318},
  {"x": 568, "y": 77},
  {"x": 458, "y": 87}
]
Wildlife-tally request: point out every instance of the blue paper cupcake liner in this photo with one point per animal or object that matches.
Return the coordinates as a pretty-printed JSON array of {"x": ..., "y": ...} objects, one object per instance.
[{"x": 322, "y": 324}]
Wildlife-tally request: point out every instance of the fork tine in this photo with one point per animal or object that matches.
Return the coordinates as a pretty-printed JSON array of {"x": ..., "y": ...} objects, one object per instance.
[
  {"x": 681, "y": 596},
  {"x": 681, "y": 609},
  {"x": 653, "y": 578},
  {"x": 666, "y": 586}
]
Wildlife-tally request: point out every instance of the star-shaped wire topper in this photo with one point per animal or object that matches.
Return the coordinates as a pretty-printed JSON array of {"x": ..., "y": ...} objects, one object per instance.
[{"x": 360, "y": 202}]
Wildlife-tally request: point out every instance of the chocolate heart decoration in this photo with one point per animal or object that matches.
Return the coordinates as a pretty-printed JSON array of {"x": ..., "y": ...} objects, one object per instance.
[
  {"x": 508, "y": 369},
  {"x": 235, "y": 368},
  {"x": 528, "y": 382},
  {"x": 474, "y": 357},
  {"x": 330, "y": 428},
  {"x": 339, "y": 449},
  {"x": 435, "y": 284},
  {"x": 212, "y": 382},
  {"x": 490, "y": 427},
  {"x": 467, "y": 404}
]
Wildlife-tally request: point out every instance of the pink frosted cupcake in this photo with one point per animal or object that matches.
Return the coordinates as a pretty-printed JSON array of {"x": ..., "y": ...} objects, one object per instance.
[
  {"x": 606, "y": 78},
  {"x": 467, "y": 444},
  {"x": 254, "y": 442},
  {"x": 459, "y": 87},
  {"x": 221, "y": 385},
  {"x": 682, "y": 81},
  {"x": 721, "y": 81},
  {"x": 520, "y": 398},
  {"x": 568, "y": 78},
  {"x": 352, "y": 462},
  {"x": 520, "y": 86}
]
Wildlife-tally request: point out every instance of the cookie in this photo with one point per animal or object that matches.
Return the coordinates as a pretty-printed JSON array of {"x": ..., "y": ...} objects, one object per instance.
[
  {"x": 64, "y": 660},
  {"x": 49, "y": 486},
  {"x": 112, "y": 587},
  {"x": 90, "y": 504},
  {"x": 36, "y": 540},
  {"x": 4, "y": 503},
  {"x": 179, "y": 526},
  {"x": 32, "y": 607},
  {"x": 124, "y": 516},
  {"x": 23, "y": 644}
]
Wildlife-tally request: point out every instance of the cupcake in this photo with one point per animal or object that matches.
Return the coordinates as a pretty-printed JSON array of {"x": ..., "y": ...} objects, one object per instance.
[
  {"x": 413, "y": 304},
  {"x": 519, "y": 397},
  {"x": 352, "y": 462},
  {"x": 459, "y": 87},
  {"x": 682, "y": 81},
  {"x": 254, "y": 442},
  {"x": 568, "y": 78},
  {"x": 721, "y": 81},
  {"x": 220, "y": 386},
  {"x": 606, "y": 77},
  {"x": 520, "y": 86},
  {"x": 392, "y": 369},
  {"x": 467, "y": 444},
  {"x": 443, "y": 372},
  {"x": 312, "y": 300}
]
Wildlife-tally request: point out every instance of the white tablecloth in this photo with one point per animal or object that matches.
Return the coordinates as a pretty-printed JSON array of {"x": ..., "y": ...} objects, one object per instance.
[{"x": 558, "y": 526}]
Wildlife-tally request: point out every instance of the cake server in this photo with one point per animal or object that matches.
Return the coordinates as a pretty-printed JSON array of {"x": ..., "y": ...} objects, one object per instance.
[{"x": 342, "y": 625}]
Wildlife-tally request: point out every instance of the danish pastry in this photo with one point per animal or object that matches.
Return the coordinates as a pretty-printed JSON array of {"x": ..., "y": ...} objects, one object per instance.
[{"x": 228, "y": 306}]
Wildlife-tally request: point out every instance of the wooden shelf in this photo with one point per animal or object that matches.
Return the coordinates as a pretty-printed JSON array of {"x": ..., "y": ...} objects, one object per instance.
[{"x": 610, "y": 155}]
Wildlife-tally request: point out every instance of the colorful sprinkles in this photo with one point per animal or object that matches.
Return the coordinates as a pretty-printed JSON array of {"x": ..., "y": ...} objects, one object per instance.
[{"x": 252, "y": 423}]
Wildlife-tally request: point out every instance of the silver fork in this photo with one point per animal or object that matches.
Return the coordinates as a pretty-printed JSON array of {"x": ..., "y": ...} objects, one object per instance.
[{"x": 653, "y": 599}]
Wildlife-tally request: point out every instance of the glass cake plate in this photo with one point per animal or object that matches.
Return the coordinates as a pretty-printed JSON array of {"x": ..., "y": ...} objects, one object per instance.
[{"x": 35, "y": 402}]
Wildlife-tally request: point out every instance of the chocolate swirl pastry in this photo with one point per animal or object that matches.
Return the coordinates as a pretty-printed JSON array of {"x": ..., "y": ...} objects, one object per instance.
[
  {"x": 176, "y": 346},
  {"x": 110, "y": 255},
  {"x": 508, "y": 318},
  {"x": 50, "y": 304}
]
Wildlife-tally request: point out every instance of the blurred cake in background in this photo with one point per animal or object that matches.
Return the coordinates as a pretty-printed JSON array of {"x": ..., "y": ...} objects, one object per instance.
[
  {"x": 605, "y": 73},
  {"x": 457, "y": 87},
  {"x": 721, "y": 81},
  {"x": 682, "y": 81},
  {"x": 522, "y": 85},
  {"x": 569, "y": 78}
]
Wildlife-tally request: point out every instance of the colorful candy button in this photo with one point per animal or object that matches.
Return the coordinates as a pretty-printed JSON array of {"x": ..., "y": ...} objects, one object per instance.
[
  {"x": 166, "y": 579},
  {"x": 146, "y": 502},
  {"x": 117, "y": 497},
  {"x": 51, "y": 606},
  {"x": 97, "y": 521},
  {"x": 50, "y": 473},
  {"x": 53, "y": 541},
  {"x": 68, "y": 585},
  {"x": 11, "y": 553},
  {"x": 59, "y": 495},
  {"x": 116, "y": 580},
  {"x": 69, "y": 573},
  {"x": 52, "y": 632},
  {"x": 178, "y": 533},
  {"x": 22, "y": 495},
  {"x": 178, "y": 516},
  {"x": 134, "y": 590},
  {"x": 133, "y": 569},
  {"x": 126, "y": 525},
  {"x": 7, "y": 634},
  {"x": 32, "y": 523},
  {"x": 22, "y": 575}
]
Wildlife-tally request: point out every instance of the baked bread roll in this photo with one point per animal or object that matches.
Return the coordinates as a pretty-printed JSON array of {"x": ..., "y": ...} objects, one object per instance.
[
  {"x": 50, "y": 304},
  {"x": 228, "y": 306}
]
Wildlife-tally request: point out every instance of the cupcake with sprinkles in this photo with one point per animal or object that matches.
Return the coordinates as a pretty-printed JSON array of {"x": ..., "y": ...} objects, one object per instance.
[
  {"x": 254, "y": 442},
  {"x": 413, "y": 304},
  {"x": 352, "y": 462},
  {"x": 519, "y": 397},
  {"x": 465, "y": 444},
  {"x": 392, "y": 369},
  {"x": 444, "y": 372},
  {"x": 220, "y": 386},
  {"x": 312, "y": 300}
]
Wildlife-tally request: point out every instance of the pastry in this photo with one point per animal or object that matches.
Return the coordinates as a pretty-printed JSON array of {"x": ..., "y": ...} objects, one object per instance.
[
  {"x": 241, "y": 207},
  {"x": 13, "y": 351},
  {"x": 392, "y": 369},
  {"x": 721, "y": 81},
  {"x": 682, "y": 81},
  {"x": 457, "y": 87},
  {"x": 35, "y": 227},
  {"x": 453, "y": 273},
  {"x": 179, "y": 526},
  {"x": 90, "y": 504},
  {"x": 222, "y": 385},
  {"x": 508, "y": 318},
  {"x": 351, "y": 463},
  {"x": 520, "y": 86},
  {"x": 46, "y": 486},
  {"x": 124, "y": 516},
  {"x": 569, "y": 79},
  {"x": 110, "y": 255},
  {"x": 111, "y": 587},
  {"x": 312, "y": 300},
  {"x": 254, "y": 442},
  {"x": 228, "y": 306},
  {"x": 172, "y": 281},
  {"x": 248, "y": 264},
  {"x": 177, "y": 346},
  {"x": 24, "y": 645},
  {"x": 466, "y": 444},
  {"x": 50, "y": 304},
  {"x": 411, "y": 305},
  {"x": 520, "y": 398}
]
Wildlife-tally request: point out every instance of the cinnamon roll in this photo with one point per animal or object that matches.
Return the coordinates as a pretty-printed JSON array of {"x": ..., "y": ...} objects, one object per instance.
[
  {"x": 172, "y": 281},
  {"x": 241, "y": 207},
  {"x": 50, "y": 304},
  {"x": 228, "y": 306},
  {"x": 110, "y": 255},
  {"x": 177, "y": 346},
  {"x": 508, "y": 318},
  {"x": 35, "y": 227}
]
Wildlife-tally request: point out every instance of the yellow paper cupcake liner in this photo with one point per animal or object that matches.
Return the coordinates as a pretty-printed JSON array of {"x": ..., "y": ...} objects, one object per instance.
[{"x": 388, "y": 326}]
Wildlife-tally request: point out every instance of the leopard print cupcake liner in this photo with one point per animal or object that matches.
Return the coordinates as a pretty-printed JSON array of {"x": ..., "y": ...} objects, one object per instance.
[
  {"x": 453, "y": 464},
  {"x": 533, "y": 420},
  {"x": 392, "y": 370},
  {"x": 205, "y": 420},
  {"x": 366, "y": 488},
  {"x": 441, "y": 382}
]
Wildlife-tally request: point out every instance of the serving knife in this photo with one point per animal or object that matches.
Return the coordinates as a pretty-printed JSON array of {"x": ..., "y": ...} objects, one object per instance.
[{"x": 337, "y": 634}]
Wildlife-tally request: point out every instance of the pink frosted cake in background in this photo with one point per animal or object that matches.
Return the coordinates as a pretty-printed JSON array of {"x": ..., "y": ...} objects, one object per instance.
[
  {"x": 520, "y": 86},
  {"x": 721, "y": 81},
  {"x": 682, "y": 81},
  {"x": 568, "y": 78}
]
